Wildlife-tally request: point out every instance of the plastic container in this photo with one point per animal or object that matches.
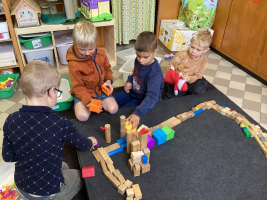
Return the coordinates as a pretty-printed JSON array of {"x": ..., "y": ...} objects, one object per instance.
[
  {"x": 7, "y": 171},
  {"x": 64, "y": 102},
  {"x": 45, "y": 53},
  {"x": 8, "y": 92},
  {"x": 127, "y": 68},
  {"x": 7, "y": 56},
  {"x": 4, "y": 33},
  {"x": 63, "y": 43},
  {"x": 34, "y": 41}
]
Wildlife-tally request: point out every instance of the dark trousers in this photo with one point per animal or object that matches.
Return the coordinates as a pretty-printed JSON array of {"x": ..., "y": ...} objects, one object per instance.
[
  {"x": 125, "y": 100},
  {"x": 197, "y": 88}
]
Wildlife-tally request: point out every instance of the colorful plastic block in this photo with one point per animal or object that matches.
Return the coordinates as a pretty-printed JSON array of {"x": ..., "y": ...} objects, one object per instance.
[
  {"x": 246, "y": 125},
  {"x": 246, "y": 132},
  {"x": 150, "y": 142},
  {"x": 170, "y": 132},
  {"x": 262, "y": 138},
  {"x": 198, "y": 111},
  {"x": 159, "y": 136},
  {"x": 88, "y": 171},
  {"x": 121, "y": 141},
  {"x": 224, "y": 106},
  {"x": 129, "y": 126},
  {"x": 111, "y": 153},
  {"x": 95, "y": 105},
  {"x": 144, "y": 159},
  {"x": 123, "y": 145},
  {"x": 106, "y": 90},
  {"x": 144, "y": 131}
]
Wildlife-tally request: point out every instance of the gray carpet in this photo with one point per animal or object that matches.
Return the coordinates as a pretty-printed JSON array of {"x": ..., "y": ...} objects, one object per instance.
[{"x": 209, "y": 157}]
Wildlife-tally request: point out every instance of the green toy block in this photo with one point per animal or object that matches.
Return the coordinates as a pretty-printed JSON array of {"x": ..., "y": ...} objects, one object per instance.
[
  {"x": 244, "y": 124},
  {"x": 246, "y": 133},
  {"x": 170, "y": 132},
  {"x": 103, "y": 16}
]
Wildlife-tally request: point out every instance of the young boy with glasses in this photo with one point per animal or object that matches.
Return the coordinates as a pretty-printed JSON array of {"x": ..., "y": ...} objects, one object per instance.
[{"x": 34, "y": 137}]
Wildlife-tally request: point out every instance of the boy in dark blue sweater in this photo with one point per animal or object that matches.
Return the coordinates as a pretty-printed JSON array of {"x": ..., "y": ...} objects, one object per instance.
[
  {"x": 34, "y": 137},
  {"x": 143, "y": 88}
]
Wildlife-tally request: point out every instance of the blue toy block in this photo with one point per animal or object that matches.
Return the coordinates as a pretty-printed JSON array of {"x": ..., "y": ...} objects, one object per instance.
[
  {"x": 123, "y": 145},
  {"x": 111, "y": 153},
  {"x": 144, "y": 159},
  {"x": 122, "y": 140},
  {"x": 244, "y": 128},
  {"x": 262, "y": 138},
  {"x": 224, "y": 106},
  {"x": 198, "y": 111},
  {"x": 159, "y": 136}
]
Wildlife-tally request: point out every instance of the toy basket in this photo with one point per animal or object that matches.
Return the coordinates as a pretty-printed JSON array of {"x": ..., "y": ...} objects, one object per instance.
[
  {"x": 34, "y": 42},
  {"x": 8, "y": 92}
]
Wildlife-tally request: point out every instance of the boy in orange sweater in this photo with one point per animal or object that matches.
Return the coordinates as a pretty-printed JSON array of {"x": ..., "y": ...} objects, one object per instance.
[
  {"x": 89, "y": 68},
  {"x": 194, "y": 63}
]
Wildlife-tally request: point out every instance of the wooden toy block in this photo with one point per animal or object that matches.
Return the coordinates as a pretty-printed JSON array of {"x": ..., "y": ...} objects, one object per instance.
[
  {"x": 246, "y": 121},
  {"x": 233, "y": 113},
  {"x": 174, "y": 123},
  {"x": 135, "y": 146},
  {"x": 145, "y": 168},
  {"x": 242, "y": 125},
  {"x": 151, "y": 130},
  {"x": 128, "y": 183},
  {"x": 214, "y": 107},
  {"x": 130, "y": 192},
  {"x": 208, "y": 105},
  {"x": 122, "y": 126},
  {"x": 137, "y": 166},
  {"x": 167, "y": 122},
  {"x": 137, "y": 153},
  {"x": 141, "y": 127},
  {"x": 228, "y": 113},
  {"x": 253, "y": 133},
  {"x": 129, "y": 198},
  {"x": 112, "y": 179},
  {"x": 223, "y": 111},
  {"x": 134, "y": 137},
  {"x": 122, "y": 188},
  {"x": 103, "y": 165},
  {"x": 143, "y": 140},
  {"x": 116, "y": 173},
  {"x": 219, "y": 109},
  {"x": 201, "y": 105},
  {"x": 105, "y": 156},
  {"x": 111, "y": 167},
  {"x": 107, "y": 133},
  {"x": 130, "y": 164},
  {"x": 137, "y": 191},
  {"x": 135, "y": 160},
  {"x": 97, "y": 155},
  {"x": 264, "y": 149},
  {"x": 121, "y": 178},
  {"x": 95, "y": 105},
  {"x": 136, "y": 172},
  {"x": 147, "y": 152},
  {"x": 112, "y": 147},
  {"x": 184, "y": 116},
  {"x": 238, "y": 119},
  {"x": 135, "y": 199},
  {"x": 213, "y": 102},
  {"x": 129, "y": 140},
  {"x": 106, "y": 90},
  {"x": 180, "y": 118},
  {"x": 204, "y": 108},
  {"x": 88, "y": 171}
]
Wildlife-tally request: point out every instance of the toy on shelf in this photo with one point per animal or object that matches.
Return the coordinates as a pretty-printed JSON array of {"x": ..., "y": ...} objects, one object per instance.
[
  {"x": 6, "y": 84},
  {"x": 96, "y": 10},
  {"x": 26, "y": 12},
  {"x": 95, "y": 105},
  {"x": 166, "y": 56}
]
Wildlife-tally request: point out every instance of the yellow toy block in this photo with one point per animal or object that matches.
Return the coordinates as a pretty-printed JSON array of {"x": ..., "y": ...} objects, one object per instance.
[{"x": 129, "y": 127}]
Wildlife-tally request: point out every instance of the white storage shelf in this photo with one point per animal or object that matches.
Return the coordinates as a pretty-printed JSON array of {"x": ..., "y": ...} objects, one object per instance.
[
  {"x": 106, "y": 41},
  {"x": 7, "y": 56}
]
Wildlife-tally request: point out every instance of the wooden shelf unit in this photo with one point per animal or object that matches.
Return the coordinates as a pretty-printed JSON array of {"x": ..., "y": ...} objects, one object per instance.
[
  {"x": 106, "y": 39},
  {"x": 13, "y": 38}
]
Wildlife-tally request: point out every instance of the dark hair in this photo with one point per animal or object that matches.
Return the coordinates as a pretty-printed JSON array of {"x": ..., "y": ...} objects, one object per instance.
[{"x": 146, "y": 41}]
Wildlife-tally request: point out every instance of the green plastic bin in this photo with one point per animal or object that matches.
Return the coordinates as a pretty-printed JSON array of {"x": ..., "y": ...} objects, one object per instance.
[
  {"x": 65, "y": 101},
  {"x": 8, "y": 92},
  {"x": 36, "y": 42}
]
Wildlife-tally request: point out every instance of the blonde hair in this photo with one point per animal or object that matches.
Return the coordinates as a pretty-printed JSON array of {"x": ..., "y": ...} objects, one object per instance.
[
  {"x": 202, "y": 37},
  {"x": 37, "y": 77},
  {"x": 145, "y": 42},
  {"x": 84, "y": 34}
]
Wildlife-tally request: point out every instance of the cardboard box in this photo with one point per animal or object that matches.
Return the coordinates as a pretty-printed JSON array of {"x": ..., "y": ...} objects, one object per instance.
[{"x": 174, "y": 36}]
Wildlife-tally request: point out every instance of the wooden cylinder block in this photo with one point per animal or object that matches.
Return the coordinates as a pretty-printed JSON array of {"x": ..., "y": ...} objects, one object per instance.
[
  {"x": 129, "y": 141},
  {"x": 107, "y": 133}
]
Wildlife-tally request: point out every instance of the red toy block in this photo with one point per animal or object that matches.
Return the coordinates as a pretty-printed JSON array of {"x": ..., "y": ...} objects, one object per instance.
[
  {"x": 88, "y": 171},
  {"x": 95, "y": 105},
  {"x": 105, "y": 89},
  {"x": 144, "y": 131}
]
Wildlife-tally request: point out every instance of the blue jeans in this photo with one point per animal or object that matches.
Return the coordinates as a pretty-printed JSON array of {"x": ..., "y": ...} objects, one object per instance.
[{"x": 125, "y": 100}]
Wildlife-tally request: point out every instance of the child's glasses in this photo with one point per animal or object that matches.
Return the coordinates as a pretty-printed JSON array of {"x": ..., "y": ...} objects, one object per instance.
[{"x": 58, "y": 94}]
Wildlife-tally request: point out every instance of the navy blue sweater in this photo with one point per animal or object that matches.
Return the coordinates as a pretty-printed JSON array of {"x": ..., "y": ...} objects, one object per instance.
[
  {"x": 34, "y": 137},
  {"x": 147, "y": 83}
]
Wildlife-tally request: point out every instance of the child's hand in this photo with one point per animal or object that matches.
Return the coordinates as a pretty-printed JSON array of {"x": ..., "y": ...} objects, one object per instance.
[
  {"x": 127, "y": 87},
  {"x": 186, "y": 77},
  {"x": 108, "y": 84},
  {"x": 94, "y": 141},
  {"x": 101, "y": 108},
  {"x": 133, "y": 119}
]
